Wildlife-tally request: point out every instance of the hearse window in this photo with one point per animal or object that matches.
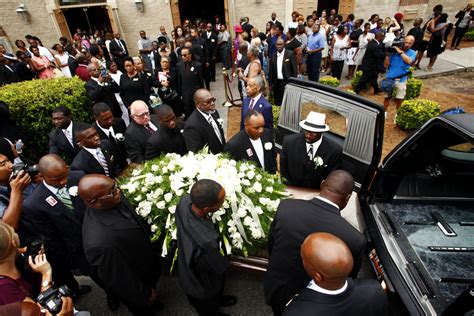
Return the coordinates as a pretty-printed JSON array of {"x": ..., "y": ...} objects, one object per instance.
[
  {"x": 336, "y": 121},
  {"x": 461, "y": 152}
]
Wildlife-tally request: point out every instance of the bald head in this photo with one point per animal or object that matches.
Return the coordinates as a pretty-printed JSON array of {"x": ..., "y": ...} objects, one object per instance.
[
  {"x": 49, "y": 162},
  {"x": 137, "y": 107},
  {"x": 98, "y": 191},
  {"x": 139, "y": 112},
  {"x": 409, "y": 41},
  {"x": 327, "y": 259},
  {"x": 54, "y": 170},
  {"x": 337, "y": 187}
]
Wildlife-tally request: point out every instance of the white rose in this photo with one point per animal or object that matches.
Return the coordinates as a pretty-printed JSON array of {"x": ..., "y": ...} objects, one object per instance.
[
  {"x": 73, "y": 191},
  {"x": 250, "y": 174},
  {"x": 135, "y": 172},
  {"x": 119, "y": 137},
  {"x": 138, "y": 198},
  {"x": 161, "y": 205},
  {"x": 268, "y": 146},
  {"x": 248, "y": 221},
  {"x": 168, "y": 197},
  {"x": 258, "y": 177},
  {"x": 154, "y": 228},
  {"x": 242, "y": 212},
  {"x": 263, "y": 200},
  {"x": 269, "y": 189},
  {"x": 172, "y": 209},
  {"x": 154, "y": 168},
  {"x": 179, "y": 192}
]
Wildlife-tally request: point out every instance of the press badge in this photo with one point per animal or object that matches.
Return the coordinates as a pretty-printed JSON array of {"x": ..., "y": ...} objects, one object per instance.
[{"x": 51, "y": 201}]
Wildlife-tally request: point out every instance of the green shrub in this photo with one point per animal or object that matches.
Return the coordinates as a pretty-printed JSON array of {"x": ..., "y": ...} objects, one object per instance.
[
  {"x": 356, "y": 78},
  {"x": 31, "y": 103},
  {"x": 276, "y": 115},
  {"x": 413, "y": 88},
  {"x": 329, "y": 81},
  {"x": 469, "y": 36},
  {"x": 414, "y": 113}
]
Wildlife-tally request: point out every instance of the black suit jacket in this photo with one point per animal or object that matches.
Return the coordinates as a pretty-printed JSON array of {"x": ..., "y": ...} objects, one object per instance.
[
  {"x": 72, "y": 63},
  {"x": 289, "y": 68},
  {"x": 87, "y": 163},
  {"x": 7, "y": 76},
  {"x": 240, "y": 148},
  {"x": 118, "y": 146},
  {"x": 211, "y": 43},
  {"x": 115, "y": 51},
  {"x": 58, "y": 143},
  {"x": 136, "y": 137},
  {"x": 297, "y": 169},
  {"x": 119, "y": 251},
  {"x": 361, "y": 298},
  {"x": 166, "y": 141},
  {"x": 199, "y": 133},
  {"x": 200, "y": 50},
  {"x": 293, "y": 222},
  {"x": 374, "y": 55},
  {"x": 188, "y": 83},
  {"x": 53, "y": 221},
  {"x": 104, "y": 94}
]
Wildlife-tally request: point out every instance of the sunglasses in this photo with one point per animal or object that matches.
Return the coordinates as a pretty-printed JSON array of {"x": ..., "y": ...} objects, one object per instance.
[{"x": 115, "y": 189}]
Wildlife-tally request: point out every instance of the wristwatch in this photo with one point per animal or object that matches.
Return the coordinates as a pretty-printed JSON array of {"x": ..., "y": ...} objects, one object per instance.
[
  {"x": 47, "y": 283},
  {"x": 400, "y": 53}
]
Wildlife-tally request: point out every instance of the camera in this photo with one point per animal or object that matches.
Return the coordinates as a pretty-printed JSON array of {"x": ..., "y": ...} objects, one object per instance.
[
  {"x": 32, "y": 170},
  {"x": 33, "y": 248},
  {"x": 396, "y": 43},
  {"x": 51, "y": 298}
]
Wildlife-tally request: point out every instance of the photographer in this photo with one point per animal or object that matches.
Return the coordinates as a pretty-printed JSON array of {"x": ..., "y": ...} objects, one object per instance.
[
  {"x": 397, "y": 62},
  {"x": 21, "y": 282},
  {"x": 11, "y": 192}
]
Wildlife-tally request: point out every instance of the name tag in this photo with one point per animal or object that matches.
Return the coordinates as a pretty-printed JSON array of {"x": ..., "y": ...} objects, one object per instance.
[
  {"x": 249, "y": 152},
  {"x": 135, "y": 79},
  {"x": 51, "y": 200}
]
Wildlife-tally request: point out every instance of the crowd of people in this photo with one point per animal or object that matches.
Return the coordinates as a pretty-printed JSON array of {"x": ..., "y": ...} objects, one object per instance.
[{"x": 71, "y": 205}]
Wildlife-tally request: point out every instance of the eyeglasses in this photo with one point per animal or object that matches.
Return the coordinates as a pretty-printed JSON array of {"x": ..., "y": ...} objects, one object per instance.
[
  {"x": 142, "y": 115},
  {"x": 4, "y": 162},
  {"x": 209, "y": 101},
  {"x": 184, "y": 55},
  {"x": 112, "y": 193}
]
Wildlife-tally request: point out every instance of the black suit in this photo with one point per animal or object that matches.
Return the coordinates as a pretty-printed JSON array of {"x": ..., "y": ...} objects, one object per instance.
[
  {"x": 7, "y": 75},
  {"x": 136, "y": 137},
  {"x": 45, "y": 216},
  {"x": 293, "y": 222},
  {"x": 373, "y": 57},
  {"x": 190, "y": 79},
  {"x": 198, "y": 132},
  {"x": 118, "y": 53},
  {"x": 58, "y": 143},
  {"x": 104, "y": 93},
  {"x": 289, "y": 69},
  {"x": 118, "y": 146},
  {"x": 118, "y": 248},
  {"x": 240, "y": 148},
  {"x": 361, "y": 298},
  {"x": 73, "y": 64},
  {"x": 166, "y": 141},
  {"x": 87, "y": 163},
  {"x": 212, "y": 48},
  {"x": 296, "y": 167}
]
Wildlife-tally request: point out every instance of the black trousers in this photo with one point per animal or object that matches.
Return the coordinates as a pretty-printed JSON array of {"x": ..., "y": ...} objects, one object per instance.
[
  {"x": 224, "y": 51},
  {"x": 368, "y": 76},
  {"x": 278, "y": 89},
  {"x": 206, "y": 307},
  {"x": 313, "y": 63},
  {"x": 207, "y": 76},
  {"x": 458, "y": 35},
  {"x": 212, "y": 69},
  {"x": 336, "y": 68}
]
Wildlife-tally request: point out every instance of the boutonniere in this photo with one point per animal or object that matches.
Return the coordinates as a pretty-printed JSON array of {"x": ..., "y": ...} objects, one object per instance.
[
  {"x": 268, "y": 146},
  {"x": 221, "y": 122},
  {"x": 192, "y": 68},
  {"x": 119, "y": 137},
  {"x": 112, "y": 158},
  {"x": 318, "y": 162},
  {"x": 72, "y": 191},
  {"x": 181, "y": 131},
  {"x": 287, "y": 60}
]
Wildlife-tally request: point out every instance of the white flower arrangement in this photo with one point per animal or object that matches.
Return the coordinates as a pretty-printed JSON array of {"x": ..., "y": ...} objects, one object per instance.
[
  {"x": 119, "y": 137},
  {"x": 221, "y": 122},
  {"x": 318, "y": 162},
  {"x": 252, "y": 197},
  {"x": 73, "y": 190}
]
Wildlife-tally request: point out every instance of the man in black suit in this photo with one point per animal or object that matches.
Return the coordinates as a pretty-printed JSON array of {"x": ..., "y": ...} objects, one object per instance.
[
  {"x": 373, "y": 57},
  {"x": 103, "y": 89},
  {"x": 307, "y": 158},
  {"x": 71, "y": 61},
  {"x": 169, "y": 138},
  {"x": 211, "y": 41},
  {"x": 112, "y": 129},
  {"x": 117, "y": 245},
  {"x": 142, "y": 126},
  {"x": 293, "y": 222},
  {"x": 246, "y": 26},
  {"x": 254, "y": 143},
  {"x": 54, "y": 213},
  {"x": 204, "y": 126},
  {"x": 282, "y": 67},
  {"x": 118, "y": 49},
  {"x": 201, "y": 266},
  {"x": 190, "y": 79},
  {"x": 62, "y": 139},
  {"x": 7, "y": 74},
  {"x": 96, "y": 155},
  {"x": 328, "y": 261}
]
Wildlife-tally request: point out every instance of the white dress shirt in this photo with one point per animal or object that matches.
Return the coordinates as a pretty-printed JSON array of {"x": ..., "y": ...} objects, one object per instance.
[
  {"x": 327, "y": 201},
  {"x": 152, "y": 126},
  {"x": 107, "y": 131},
  {"x": 313, "y": 286},
  {"x": 210, "y": 119},
  {"x": 258, "y": 147},
  {"x": 280, "y": 60},
  {"x": 316, "y": 145},
  {"x": 93, "y": 152},
  {"x": 52, "y": 189},
  {"x": 68, "y": 133},
  {"x": 254, "y": 100}
]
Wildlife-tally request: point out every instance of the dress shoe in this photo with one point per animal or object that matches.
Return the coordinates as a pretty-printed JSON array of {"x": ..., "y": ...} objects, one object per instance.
[
  {"x": 113, "y": 302},
  {"x": 81, "y": 291},
  {"x": 228, "y": 300}
]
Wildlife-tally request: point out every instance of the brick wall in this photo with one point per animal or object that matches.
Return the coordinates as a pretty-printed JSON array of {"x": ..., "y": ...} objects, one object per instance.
[{"x": 259, "y": 13}]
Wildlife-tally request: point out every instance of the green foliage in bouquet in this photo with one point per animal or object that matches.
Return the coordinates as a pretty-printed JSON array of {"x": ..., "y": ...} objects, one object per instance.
[
  {"x": 243, "y": 222},
  {"x": 31, "y": 103},
  {"x": 414, "y": 113},
  {"x": 329, "y": 81}
]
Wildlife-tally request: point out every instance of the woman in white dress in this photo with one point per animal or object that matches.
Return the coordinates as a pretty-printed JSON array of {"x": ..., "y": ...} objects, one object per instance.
[
  {"x": 61, "y": 60},
  {"x": 115, "y": 74},
  {"x": 340, "y": 43},
  {"x": 324, "y": 30},
  {"x": 364, "y": 39},
  {"x": 354, "y": 38}
]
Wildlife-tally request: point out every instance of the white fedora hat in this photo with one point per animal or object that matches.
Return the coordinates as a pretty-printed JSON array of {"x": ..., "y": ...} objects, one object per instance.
[{"x": 315, "y": 122}]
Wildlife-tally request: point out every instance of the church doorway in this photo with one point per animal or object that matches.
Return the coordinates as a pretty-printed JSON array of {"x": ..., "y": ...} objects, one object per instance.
[
  {"x": 87, "y": 19},
  {"x": 327, "y": 5},
  {"x": 205, "y": 10}
]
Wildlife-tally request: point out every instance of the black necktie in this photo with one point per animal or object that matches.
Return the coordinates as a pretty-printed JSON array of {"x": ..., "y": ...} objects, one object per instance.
[{"x": 112, "y": 138}]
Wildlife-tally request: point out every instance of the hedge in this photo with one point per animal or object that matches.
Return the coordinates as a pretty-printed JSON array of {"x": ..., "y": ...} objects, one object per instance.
[
  {"x": 414, "y": 113},
  {"x": 32, "y": 102},
  {"x": 469, "y": 36},
  {"x": 329, "y": 81}
]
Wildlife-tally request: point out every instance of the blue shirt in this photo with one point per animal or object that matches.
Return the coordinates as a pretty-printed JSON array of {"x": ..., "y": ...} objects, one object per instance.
[
  {"x": 398, "y": 67},
  {"x": 315, "y": 41}
]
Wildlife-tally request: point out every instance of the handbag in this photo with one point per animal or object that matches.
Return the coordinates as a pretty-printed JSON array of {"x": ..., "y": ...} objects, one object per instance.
[
  {"x": 387, "y": 85},
  {"x": 57, "y": 73},
  {"x": 426, "y": 32}
]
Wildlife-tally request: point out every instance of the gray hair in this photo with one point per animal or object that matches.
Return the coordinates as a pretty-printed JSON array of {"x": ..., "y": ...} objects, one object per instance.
[
  {"x": 254, "y": 51},
  {"x": 258, "y": 81},
  {"x": 91, "y": 66}
]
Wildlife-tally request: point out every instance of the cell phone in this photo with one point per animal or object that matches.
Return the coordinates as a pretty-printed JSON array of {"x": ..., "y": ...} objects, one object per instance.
[{"x": 103, "y": 73}]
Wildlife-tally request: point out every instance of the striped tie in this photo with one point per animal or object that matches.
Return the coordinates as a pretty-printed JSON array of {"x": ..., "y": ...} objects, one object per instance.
[
  {"x": 102, "y": 161},
  {"x": 65, "y": 198}
]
